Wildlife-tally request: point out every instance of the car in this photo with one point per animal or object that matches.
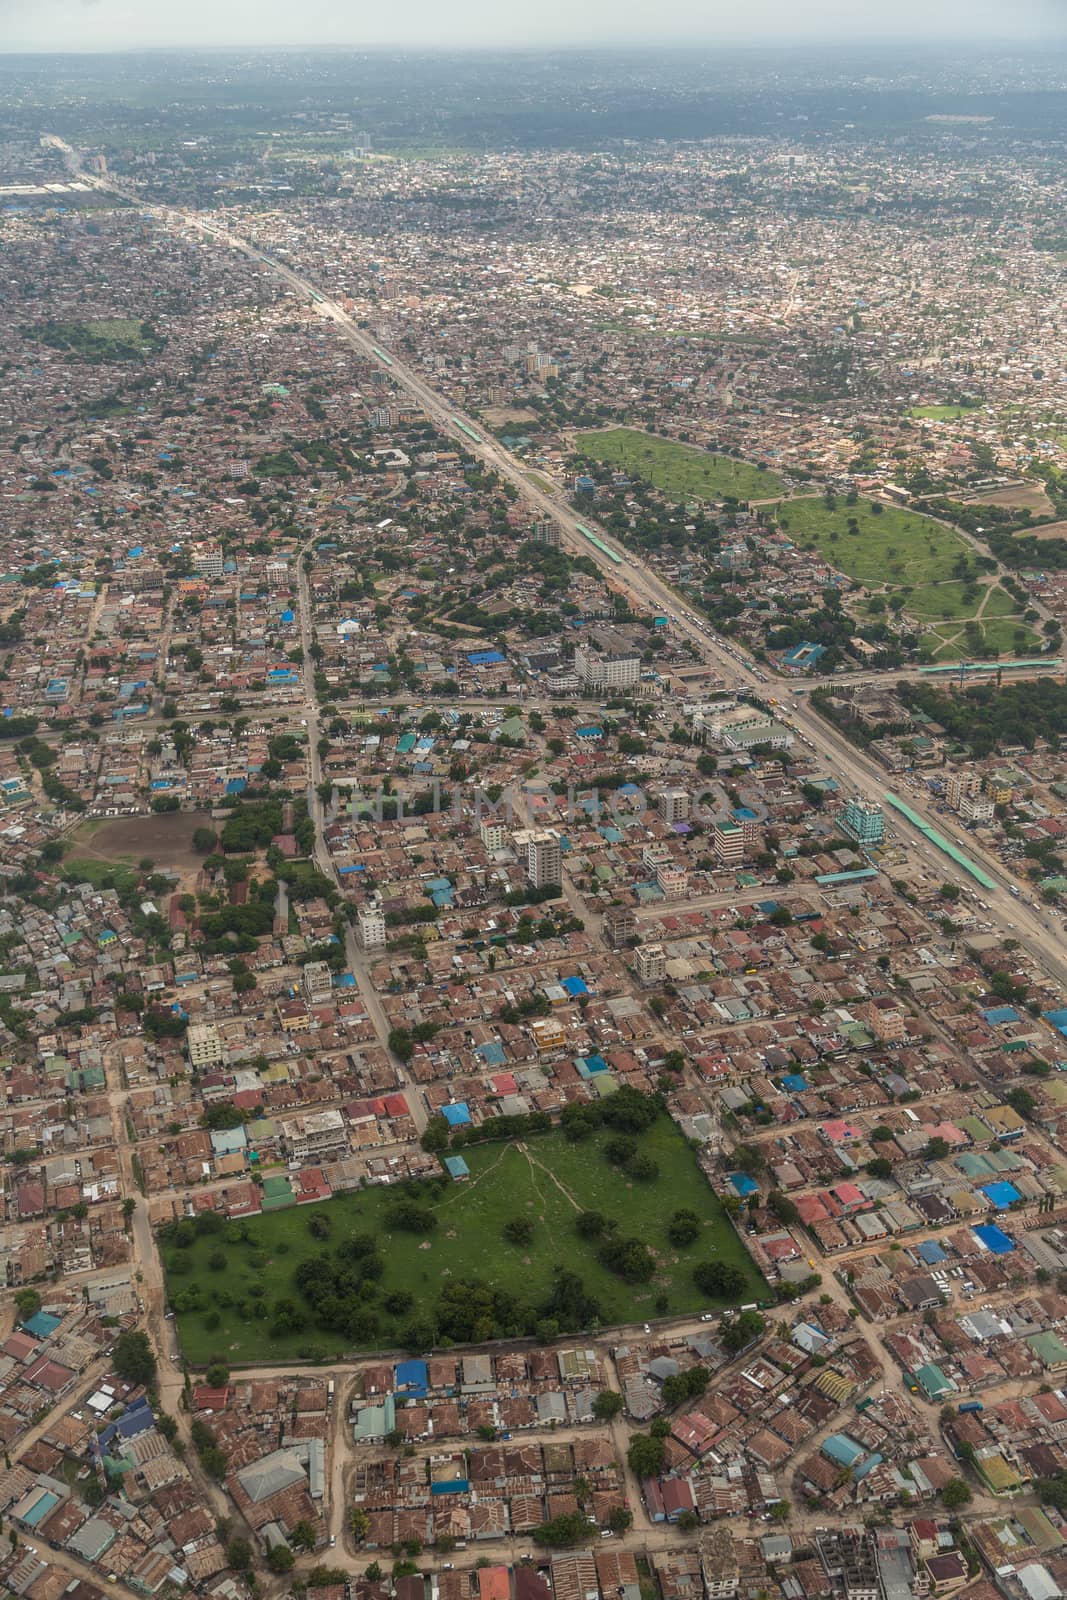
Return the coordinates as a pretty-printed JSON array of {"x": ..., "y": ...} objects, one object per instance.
[
  {"x": 707, "y": 1316},
  {"x": 647, "y": 1328},
  {"x": 333, "y": 1540}
]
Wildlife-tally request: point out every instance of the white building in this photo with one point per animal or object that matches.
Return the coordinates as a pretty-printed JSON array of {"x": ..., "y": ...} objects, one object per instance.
[
  {"x": 204, "y": 1046},
  {"x": 541, "y": 851}
]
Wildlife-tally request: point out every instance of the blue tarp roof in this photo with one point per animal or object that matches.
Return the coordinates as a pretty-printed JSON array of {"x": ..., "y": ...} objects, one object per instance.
[
  {"x": 457, "y": 1167},
  {"x": 842, "y": 1450},
  {"x": 795, "y": 1082},
  {"x": 485, "y": 658},
  {"x": 1001, "y": 1014},
  {"x": 491, "y": 1052},
  {"x": 743, "y": 1183},
  {"x": 575, "y": 986},
  {"x": 456, "y": 1115},
  {"x": 412, "y": 1376},
  {"x": 994, "y": 1239},
  {"x": 931, "y": 1252},
  {"x": 1002, "y": 1194},
  {"x": 41, "y": 1324}
]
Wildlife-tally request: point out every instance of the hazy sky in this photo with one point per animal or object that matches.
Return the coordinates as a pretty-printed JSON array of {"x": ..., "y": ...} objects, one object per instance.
[{"x": 118, "y": 24}]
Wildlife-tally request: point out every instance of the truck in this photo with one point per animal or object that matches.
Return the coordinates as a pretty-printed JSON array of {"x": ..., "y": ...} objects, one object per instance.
[
  {"x": 970, "y": 1406},
  {"x": 1014, "y": 891}
]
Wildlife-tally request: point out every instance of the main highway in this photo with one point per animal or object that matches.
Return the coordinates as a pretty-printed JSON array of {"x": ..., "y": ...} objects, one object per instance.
[{"x": 1032, "y": 925}]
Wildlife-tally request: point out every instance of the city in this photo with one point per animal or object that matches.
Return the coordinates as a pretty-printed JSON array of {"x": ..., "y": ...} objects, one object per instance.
[{"x": 533, "y": 826}]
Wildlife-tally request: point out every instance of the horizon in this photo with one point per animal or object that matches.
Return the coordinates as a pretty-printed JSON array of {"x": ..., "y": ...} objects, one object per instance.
[{"x": 116, "y": 27}]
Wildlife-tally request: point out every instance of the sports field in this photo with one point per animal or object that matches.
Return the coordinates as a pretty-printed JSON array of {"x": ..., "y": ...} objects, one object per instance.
[
  {"x": 227, "y": 1287},
  {"x": 680, "y": 470}
]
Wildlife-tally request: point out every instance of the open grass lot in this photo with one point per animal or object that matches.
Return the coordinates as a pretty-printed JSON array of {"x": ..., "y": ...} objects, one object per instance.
[
  {"x": 546, "y": 1179},
  {"x": 954, "y": 599},
  {"x": 891, "y": 548},
  {"x": 679, "y": 470},
  {"x": 954, "y": 644},
  {"x": 940, "y": 413}
]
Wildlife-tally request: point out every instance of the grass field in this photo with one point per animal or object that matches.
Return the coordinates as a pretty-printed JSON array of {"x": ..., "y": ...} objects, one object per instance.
[
  {"x": 940, "y": 413},
  {"x": 547, "y": 1180},
  {"x": 950, "y": 601},
  {"x": 680, "y": 470},
  {"x": 892, "y": 548}
]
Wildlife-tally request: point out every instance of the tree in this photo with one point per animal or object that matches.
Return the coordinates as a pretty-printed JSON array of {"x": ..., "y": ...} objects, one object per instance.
[
  {"x": 217, "y": 1375},
  {"x": 683, "y": 1227},
  {"x": 619, "y": 1519},
  {"x": 204, "y": 841},
  {"x": 956, "y": 1493},
  {"x": 358, "y": 1524},
  {"x": 607, "y": 1404},
  {"x": 742, "y": 1330},
  {"x": 134, "y": 1359},
  {"x": 520, "y": 1230},
  {"x": 280, "y": 1558},
  {"x": 239, "y": 1555},
  {"x": 646, "y": 1455},
  {"x": 720, "y": 1280}
]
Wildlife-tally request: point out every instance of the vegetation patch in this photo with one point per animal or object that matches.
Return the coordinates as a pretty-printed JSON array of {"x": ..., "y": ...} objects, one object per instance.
[
  {"x": 942, "y": 413},
  {"x": 105, "y": 339},
  {"x": 880, "y": 546},
  {"x": 680, "y": 471},
  {"x": 546, "y": 1236}
]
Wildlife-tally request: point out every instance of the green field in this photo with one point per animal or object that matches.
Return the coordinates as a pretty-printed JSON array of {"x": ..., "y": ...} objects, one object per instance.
[
  {"x": 546, "y": 1179},
  {"x": 679, "y": 470},
  {"x": 79, "y": 869},
  {"x": 101, "y": 339},
  {"x": 890, "y": 548},
  {"x": 940, "y": 413},
  {"x": 950, "y": 600}
]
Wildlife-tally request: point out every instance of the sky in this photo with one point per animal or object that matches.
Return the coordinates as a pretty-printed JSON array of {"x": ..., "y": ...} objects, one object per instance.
[{"x": 134, "y": 24}]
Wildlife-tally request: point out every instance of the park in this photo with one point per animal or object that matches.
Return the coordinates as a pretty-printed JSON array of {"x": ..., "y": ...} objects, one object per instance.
[
  {"x": 680, "y": 471},
  {"x": 546, "y": 1235}
]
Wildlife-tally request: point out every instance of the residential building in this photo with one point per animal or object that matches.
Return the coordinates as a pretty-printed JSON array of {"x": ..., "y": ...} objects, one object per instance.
[
  {"x": 494, "y": 835},
  {"x": 317, "y": 982},
  {"x": 204, "y": 1046},
  {"x": 673, "y": 805},
  {"x": 540, "y": 850},
  {"x": 620, "y": 925},
  {"x": 729, "y": 841},
  {"x": 370, "y": 924},
  {"x": 606, "y": 659},
  {"x": 650, "y": 961},
  {"x": 314, "y": 1136},
  {"x": 206, "y": 559},
  {"x": 864, "y": 821}
]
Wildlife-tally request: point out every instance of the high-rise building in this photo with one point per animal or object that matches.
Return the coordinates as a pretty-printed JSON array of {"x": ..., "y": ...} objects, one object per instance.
[
  {"x": 206, "y": 558},
  {"x": 620, "y": 925},
  {"x": 729, "y": 841},
  {"x": 204, "y": 1046},
  {"x": 651, "y": 963},
  {"x": 960, "y": 785},
  {"x": 863, "y": 820},
  {"x": 370, "y": 924},
  {"x": 318, "y": 982},
  {"x": 493, "y": 833},
  {"x": 674, "y": 805},
  {"x": 540, "y": 849},
  {"x": 605, "y": 659}
]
